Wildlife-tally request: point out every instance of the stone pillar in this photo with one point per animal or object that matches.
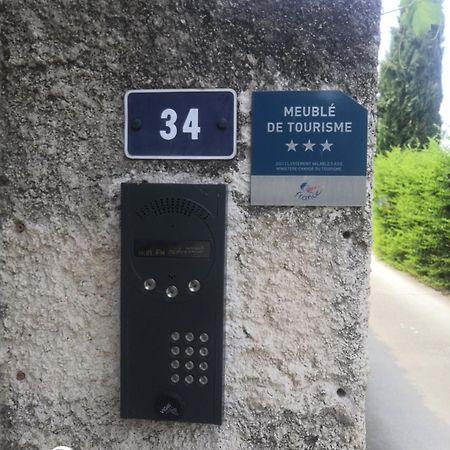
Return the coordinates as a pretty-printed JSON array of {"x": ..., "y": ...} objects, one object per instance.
[{"x": 297, "y": 278}]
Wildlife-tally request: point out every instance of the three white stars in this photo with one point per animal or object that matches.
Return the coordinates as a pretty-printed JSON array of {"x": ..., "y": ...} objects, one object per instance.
[{"x": 326, "y": 146}]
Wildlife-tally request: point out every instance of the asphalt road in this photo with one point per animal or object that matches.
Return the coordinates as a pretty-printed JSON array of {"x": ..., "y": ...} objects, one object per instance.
[{"x": 408, "y": 399}]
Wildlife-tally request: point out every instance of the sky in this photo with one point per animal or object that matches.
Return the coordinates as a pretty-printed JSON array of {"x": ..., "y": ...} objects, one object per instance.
[{"x": 390, "y": 20}]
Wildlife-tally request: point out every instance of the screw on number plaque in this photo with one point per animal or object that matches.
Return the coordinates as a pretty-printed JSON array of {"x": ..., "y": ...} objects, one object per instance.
[{"x": 180, "y": 124}]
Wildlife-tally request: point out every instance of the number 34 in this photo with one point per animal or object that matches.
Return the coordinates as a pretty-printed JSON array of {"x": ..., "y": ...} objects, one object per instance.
[{"x": 190, "y": 125}]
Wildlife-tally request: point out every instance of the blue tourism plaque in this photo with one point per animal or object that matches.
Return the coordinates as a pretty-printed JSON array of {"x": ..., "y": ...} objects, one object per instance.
[
  {"x": 309, "y": 148},
  {"x": 180, "y": 124}
]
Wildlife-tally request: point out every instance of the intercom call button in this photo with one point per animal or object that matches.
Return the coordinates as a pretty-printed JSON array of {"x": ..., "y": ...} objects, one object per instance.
[
  {"x": 194, "y": 285},
  {"x": 172, "y": 291},
  {"x": 149, "y": 284}
]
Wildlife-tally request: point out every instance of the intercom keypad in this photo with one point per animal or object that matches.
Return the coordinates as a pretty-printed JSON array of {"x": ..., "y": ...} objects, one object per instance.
[
  {"x": 172, "y": 301},
  {"x": 189, "y": 354}
]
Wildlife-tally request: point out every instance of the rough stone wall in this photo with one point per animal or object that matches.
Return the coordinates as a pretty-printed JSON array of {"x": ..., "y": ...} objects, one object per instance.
[{"x": 296, "y": 304}]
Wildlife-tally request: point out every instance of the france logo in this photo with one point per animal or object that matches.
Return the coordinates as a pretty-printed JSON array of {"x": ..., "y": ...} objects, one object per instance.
[{"x": 308, "y": 191}]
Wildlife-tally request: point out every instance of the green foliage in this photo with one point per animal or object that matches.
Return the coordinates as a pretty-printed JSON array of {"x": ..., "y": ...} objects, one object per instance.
[
  {"x": 410, "y": 78},
  {"x": 411, "y": 212},
  {"x": 421, "y": 15}
]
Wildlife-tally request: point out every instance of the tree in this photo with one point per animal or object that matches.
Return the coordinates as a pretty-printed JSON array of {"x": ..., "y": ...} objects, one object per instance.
[{"x": 410, "y": 78}]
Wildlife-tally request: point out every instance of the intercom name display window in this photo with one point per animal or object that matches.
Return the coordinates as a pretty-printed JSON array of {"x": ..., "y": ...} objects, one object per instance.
[
  {"x": 172, "y": 301},
  {"x": 172, "y": 249}
]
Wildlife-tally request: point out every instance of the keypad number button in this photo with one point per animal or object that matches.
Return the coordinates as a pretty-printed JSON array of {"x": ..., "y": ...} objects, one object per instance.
[{"x": 175, "y": 336}]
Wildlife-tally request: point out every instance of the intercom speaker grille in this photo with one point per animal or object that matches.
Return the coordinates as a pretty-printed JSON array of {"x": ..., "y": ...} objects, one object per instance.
[{"x": 172, "y": 205}]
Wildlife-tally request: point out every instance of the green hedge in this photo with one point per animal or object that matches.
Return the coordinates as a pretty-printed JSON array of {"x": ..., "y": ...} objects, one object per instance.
[{"x": 411, "y": 213}]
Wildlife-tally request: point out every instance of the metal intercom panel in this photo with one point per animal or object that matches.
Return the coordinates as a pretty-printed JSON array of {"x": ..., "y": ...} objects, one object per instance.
[{"x": 172, "y": 301}]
